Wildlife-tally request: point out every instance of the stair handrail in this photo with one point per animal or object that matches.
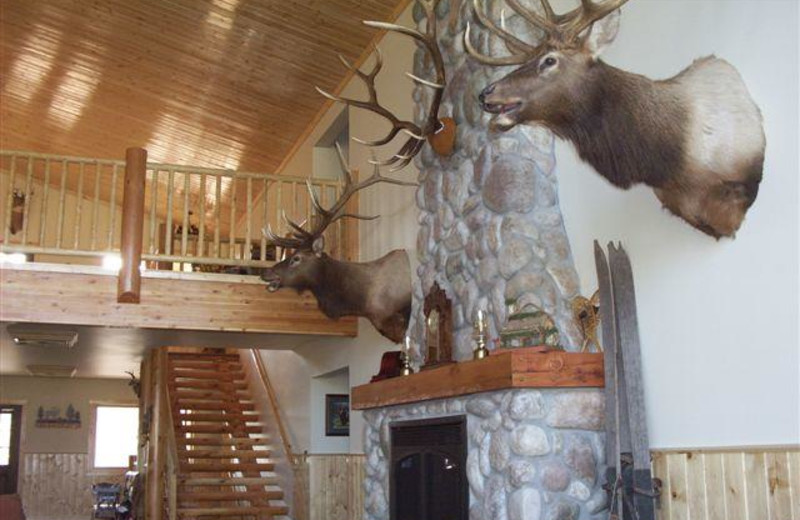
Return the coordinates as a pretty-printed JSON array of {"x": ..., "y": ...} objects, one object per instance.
[
  {"x": 173, "y": 461},
  {"x": 273, "y": 401}
]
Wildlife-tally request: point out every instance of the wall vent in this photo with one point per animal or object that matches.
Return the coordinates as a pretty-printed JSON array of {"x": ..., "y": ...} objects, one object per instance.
[
  {"x": 52, "y": 370},
  {"x": 44, "y": 338}
]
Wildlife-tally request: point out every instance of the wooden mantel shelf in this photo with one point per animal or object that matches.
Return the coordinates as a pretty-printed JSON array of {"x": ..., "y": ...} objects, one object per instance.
[{"x": 517, "y": 368}]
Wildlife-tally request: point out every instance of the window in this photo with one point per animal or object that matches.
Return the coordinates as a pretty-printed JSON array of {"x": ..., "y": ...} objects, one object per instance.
[
  {"x": 5, "y": 437},
  {"x": 116, "y": 430}
]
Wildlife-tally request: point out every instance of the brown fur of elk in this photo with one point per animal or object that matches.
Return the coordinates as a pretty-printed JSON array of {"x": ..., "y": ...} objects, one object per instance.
[
  {"x": 379, "y": 290},
  {"x": 697, "y": 138}
]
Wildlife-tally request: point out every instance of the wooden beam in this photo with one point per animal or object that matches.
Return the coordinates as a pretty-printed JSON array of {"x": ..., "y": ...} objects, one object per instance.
[
  {"x": 517, "y": 368},
  {"x": 130, "y": 282}
]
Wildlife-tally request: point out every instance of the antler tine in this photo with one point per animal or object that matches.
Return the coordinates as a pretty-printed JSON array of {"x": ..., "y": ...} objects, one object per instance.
[
  {"x": 514, "y": 59},
  {"x": 514, "y": 44},
  {"x": 588, "y": 13},
  {"x": 286, "y": 243}
]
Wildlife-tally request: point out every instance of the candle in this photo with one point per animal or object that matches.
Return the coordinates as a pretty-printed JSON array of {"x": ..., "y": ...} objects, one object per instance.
[
  {"x": 481, "y": 318},
  {"x": 407, "y": 344}
]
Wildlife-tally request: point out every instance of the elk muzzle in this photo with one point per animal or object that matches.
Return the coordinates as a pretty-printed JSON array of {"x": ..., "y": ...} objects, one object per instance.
[
  {"x": 505, "y": 110},
  {"x": 272, "y": 278}
]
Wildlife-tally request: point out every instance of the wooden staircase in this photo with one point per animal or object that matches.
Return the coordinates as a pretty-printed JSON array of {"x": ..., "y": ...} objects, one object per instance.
[{"x": 224, "y": 462}]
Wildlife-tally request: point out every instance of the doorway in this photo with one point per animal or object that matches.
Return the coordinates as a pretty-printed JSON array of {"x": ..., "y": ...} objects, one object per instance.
[{"x": 10, "y": 425}]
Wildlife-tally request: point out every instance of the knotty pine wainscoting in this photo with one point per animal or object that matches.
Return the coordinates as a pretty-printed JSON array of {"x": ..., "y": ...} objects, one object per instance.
[
  {"x": 708, "y": 484},
  {"x": 58, "y": 486}
]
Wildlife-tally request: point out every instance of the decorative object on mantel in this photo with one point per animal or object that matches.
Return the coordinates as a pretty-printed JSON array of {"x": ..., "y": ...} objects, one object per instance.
[
  {"x": 480, "y": 351},
  {"x": 391, "y": 366},
  {"x": 337, "y": 415},
  {"x": 379, "y": 290},
  {"x": 673, "y": 135},
  {"x": 405, "y": 358},
  {"x": 18, "y": 199},
  {"x": 529, "y": 326},
  {"x": 440, "y": 133},
  {"x": 438, "y": 328},
  {"x": 587, "y": 316},
  {"x": 51, "y": 417},
  {"x": 629, "y": 474}
]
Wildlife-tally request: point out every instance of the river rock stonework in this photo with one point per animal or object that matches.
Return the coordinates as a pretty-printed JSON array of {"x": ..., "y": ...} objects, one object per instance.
[
  {"x": 490, "y": 224},
  {"x": 526, "y": 459}
]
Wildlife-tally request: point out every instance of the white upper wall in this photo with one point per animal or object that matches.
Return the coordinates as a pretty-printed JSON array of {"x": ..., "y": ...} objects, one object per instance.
[{"x": 718, "y": 320}]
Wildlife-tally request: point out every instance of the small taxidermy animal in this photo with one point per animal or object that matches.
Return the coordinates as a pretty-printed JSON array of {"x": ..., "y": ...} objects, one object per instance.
[{"x": 697, "y": 138}]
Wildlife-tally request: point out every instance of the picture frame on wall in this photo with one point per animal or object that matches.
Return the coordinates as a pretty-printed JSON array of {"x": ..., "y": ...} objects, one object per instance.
[{"x": 337, "y": 415}]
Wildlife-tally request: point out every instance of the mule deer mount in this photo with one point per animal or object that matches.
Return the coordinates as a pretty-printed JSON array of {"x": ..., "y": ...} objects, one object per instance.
[
  {"x": 379, "y": 290},
  {"x": 440, "y": 133},
  {"x": 697, "y": 138}
]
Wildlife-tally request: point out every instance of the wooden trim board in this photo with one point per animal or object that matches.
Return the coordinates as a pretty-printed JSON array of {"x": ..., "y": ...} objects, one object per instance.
[
  {"x": 519, "y": 368},
  {"x": 91, "y": 299}
]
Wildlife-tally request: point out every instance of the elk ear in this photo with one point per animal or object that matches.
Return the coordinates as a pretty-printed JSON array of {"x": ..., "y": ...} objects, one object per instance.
[
  {"x": 601, "y": 34},
  {"x": 318, "y": 246}
]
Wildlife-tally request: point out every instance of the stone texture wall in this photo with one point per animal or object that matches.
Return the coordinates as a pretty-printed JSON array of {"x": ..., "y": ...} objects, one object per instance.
[
  {"x": 490, "y": 224},
  {"x": 532, "y": 455}
]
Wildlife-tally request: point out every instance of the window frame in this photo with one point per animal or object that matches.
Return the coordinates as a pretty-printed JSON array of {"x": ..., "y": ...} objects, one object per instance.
[{"x": 93, "y": 406}]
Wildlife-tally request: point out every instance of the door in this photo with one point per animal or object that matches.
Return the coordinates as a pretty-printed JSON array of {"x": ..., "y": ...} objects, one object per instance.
[{"x": 10, "y": 424}]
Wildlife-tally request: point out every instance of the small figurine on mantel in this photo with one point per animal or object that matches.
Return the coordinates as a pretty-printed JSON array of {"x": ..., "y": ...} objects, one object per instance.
[
  {"x": 586, "y": 312},
  {"x": 529, "y": 326}
]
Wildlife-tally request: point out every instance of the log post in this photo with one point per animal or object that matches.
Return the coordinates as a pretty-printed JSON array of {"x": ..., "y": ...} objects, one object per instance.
[{"x": 129, "y": 282}]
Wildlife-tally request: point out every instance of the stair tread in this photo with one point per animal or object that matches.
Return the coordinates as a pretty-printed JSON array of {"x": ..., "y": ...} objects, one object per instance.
[
  {"x": 190, "y": 480},
  {"x": 205, "y": 467},
  {"x": 224, "y": 454},
  {"x": 228, "y": 496},
  {"x": 232, "y": 511}
]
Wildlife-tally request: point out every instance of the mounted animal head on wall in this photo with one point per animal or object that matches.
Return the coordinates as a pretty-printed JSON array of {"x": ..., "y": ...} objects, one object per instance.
[
  {"x": 379, "y": 290},
  {"x": 439, "y": 132},
  {"x": 697, "y": 138}
]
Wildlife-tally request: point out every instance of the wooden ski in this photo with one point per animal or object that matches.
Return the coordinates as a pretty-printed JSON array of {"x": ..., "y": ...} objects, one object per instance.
[{"x": 627, "y": 444}]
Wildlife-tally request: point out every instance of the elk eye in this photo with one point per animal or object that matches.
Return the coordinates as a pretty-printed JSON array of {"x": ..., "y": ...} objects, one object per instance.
[{"x": 548, "y": 62}]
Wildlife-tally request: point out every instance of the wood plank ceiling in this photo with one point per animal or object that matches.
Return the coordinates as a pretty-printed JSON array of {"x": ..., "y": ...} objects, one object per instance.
[{"x": 213, "y": 83}]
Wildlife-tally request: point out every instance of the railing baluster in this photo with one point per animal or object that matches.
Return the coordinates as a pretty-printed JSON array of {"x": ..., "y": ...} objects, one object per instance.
[
  {"x": 278, "y": 208},
  {"x": 154, "y": 212},
  {"x": 10, "y": 198},
  {"x": 217, "y": 211},
  {"x": 61, "y": 196},
  {"x": 232, "y": 226},
  {"x": 95, "y": 205},
  {"x": 45, "y": 199},
  {"x": 246, "y": 252},
  {"x": 112, "y": 203},
  {"x": 185, "y": 234},
  {"x": 201, "y": 237},
  {"x": 264, "y": 196},
  {"x": 27, "y": 203},
  {"x": 78, "y": 208},
  {"x": 170, "y": 187}
]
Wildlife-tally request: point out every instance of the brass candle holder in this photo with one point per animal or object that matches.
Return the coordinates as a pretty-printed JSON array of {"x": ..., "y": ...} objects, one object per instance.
[
  {"x": 480, "y": 336},
  {"x": 405, "y": 358}
]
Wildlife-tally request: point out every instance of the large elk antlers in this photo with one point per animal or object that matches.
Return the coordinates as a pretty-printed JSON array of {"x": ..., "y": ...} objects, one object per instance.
[
  {"x": 301, "y": 238},
  {"x": 417, "y": 134},
  {"x": 559, "y": 29}
]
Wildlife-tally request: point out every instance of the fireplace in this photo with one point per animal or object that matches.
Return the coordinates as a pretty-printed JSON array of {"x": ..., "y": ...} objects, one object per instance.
[{"x": 428, "y": 479}]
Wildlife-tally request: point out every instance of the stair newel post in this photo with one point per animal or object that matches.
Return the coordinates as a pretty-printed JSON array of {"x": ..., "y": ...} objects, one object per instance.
[{"x": 129, "y": 282}]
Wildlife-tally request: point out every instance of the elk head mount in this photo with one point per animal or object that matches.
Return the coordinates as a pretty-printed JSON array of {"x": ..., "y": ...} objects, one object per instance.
[
  {"x": 440, "y": 133},
  {"x": 697, "y": 138},
  {"x": 379, "y": 290}
]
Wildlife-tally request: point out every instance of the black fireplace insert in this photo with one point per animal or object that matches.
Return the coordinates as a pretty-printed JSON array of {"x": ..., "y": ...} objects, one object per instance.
[{"x": 428, "y": 478}]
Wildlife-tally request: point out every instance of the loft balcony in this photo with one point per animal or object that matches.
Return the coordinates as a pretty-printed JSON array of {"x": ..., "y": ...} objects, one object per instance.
[{"x": 140, "y": 244}]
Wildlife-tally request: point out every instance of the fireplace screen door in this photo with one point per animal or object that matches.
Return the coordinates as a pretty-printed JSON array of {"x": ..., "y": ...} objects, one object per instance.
[{"x": 428, "y": 470}]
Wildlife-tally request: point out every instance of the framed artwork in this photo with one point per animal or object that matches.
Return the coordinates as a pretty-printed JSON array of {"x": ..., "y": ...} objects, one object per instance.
[{"x": 337, "y": 415}]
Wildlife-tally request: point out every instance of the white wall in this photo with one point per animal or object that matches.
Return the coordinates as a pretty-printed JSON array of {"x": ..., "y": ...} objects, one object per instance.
[
  {"x": 336, "y": 382},
  {"x": 718, "y": 320},
  {"x": 290, "y": 376}
]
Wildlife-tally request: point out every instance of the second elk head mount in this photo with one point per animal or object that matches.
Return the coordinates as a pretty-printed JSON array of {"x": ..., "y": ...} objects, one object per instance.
[
  {"x": 439, "y": 132},
  {"x": 379, "y": 290},
  {"x": 696, "y": 138}
]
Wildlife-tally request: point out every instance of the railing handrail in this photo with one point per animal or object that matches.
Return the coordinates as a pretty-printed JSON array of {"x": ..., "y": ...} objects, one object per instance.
[
  {"x": 178, "y": 168},
  {"x": 273, "y": 401}
]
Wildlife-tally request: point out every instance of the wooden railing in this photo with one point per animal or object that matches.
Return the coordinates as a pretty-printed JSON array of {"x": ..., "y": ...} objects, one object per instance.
[{"x": 72, "y": 207}]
